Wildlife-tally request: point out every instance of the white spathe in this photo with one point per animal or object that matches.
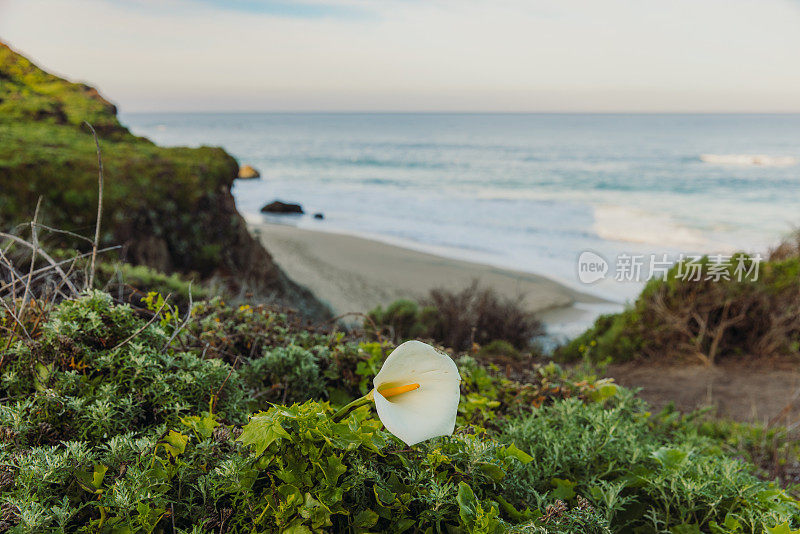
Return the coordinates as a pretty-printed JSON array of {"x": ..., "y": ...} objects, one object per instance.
[{"x": 428, "y": 411}]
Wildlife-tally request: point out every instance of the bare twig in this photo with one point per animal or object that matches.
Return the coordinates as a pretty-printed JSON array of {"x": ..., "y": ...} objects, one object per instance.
[
  {"x": 10, "y": 266},
  {"x": 65, "y": 232},
  {"x": 41, "y": 312},
  {"x": 35, "y": 247},
  {"x": 67, "y": 277},
  {"x": 142, "y": 329},
  {"x": 785, "y": 411},
  {"x": 13, "y": 283},
  {"x": 47, "y": 268},
  {"x": 183, "y": 324},
  {"x": 357, "y": 314},
  {"x": 216, "y": 395},
  {"x": 44, "y": 255},
  {"x": 90, "y": 282},
  {"x": 14, "y": 275},
  {"x": 16, "y": 320}
]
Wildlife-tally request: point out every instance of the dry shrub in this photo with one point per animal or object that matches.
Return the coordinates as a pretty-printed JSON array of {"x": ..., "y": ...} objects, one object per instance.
[
  {"x": 457, "y": 319},
  {"x": 480, "y": 315},
  {"x": 788, "y": 248},
  {"x": 706, "y": 319}
]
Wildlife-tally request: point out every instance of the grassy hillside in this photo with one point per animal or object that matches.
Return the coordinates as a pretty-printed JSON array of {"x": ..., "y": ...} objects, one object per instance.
[
  {"x": 27, "y": 93},
  {"x": 170, "y": 208},
  {"x": 706, "y": 320}
]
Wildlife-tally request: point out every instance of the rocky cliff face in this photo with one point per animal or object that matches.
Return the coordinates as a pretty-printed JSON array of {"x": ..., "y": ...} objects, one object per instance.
[{"x": 170, "y": 208}]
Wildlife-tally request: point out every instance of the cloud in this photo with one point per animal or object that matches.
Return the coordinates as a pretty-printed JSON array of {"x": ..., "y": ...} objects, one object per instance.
[
  {"x": 506, "y": 55},
  {"x": 287, "y": 8}
]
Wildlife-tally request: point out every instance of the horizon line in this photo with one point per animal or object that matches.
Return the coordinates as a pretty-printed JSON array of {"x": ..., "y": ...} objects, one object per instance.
[{"x": 455, "y": 112}]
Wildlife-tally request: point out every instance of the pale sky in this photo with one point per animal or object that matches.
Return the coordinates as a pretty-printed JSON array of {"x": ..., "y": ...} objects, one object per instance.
[{"x": 420, "y": 55}]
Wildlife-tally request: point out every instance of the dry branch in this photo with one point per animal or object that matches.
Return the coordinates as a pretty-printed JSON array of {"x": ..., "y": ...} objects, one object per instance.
[
  {"x": 142, "y": 329},
  {"x": 47, "y": 258},
  {"x": 35, "y": 247},
  {"x": 90, "y": 282}
]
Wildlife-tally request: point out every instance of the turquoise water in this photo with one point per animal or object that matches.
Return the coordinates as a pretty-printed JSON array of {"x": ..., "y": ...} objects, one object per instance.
[{"x": 526, "y": 191}]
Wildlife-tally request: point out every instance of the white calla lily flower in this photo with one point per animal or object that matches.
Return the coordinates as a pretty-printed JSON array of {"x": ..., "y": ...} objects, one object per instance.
[{"x": 417, "y": 392}]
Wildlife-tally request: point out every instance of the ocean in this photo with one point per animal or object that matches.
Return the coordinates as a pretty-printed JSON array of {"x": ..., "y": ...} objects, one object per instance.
[{"x": 530, "y": 192}]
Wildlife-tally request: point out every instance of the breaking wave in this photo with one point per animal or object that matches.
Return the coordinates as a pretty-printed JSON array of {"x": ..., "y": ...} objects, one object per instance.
[{"x": 759, "y": 160}]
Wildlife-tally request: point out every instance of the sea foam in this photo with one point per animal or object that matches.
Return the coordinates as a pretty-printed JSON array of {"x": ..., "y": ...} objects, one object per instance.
[
  {"x": 761, "y": 160},
  {"x": 632, "y": 225}
]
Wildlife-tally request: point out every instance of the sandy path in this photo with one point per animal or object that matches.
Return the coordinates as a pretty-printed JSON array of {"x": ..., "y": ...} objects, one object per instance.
[{"x": 738, "y": 390}]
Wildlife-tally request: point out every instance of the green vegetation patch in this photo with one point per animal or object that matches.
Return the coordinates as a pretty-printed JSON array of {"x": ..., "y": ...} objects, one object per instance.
[
  {"x": 167, "y": 208},
  {"x": 27, "y": 93},
  {"x": 137, "y": 420},
  {"x": 704, "y": 320},
  {"x": 163, "y": 203}
]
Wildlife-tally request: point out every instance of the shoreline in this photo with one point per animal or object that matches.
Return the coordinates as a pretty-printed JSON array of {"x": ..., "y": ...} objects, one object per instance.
[{"x": 356, "y": 274}]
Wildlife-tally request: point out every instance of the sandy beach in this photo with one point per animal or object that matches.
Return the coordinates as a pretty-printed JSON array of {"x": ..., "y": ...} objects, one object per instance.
[{"x": 354, "y": 274}]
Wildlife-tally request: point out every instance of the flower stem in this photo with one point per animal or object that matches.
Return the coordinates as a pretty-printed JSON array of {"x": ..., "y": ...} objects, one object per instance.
[{"x": 361, "y": 401}]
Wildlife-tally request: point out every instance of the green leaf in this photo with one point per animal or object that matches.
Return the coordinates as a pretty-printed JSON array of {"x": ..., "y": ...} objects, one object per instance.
[
  {"x": 564, "y": 489},
  {"x": 731, "y": 523},
  {"x": 148, "y": 516},
  {"x": 365, "y": 519},
  {"x": 318, "y": 513},
  {"x": 91, "y": 481},
  {"x": 263, "y": 430},
  {"x": 686, "y": 528},
  {"x": 384, "y": 496},
  {"x": 333, "y": 470},
  {"x": 204, "y": 426},
  {"x": 467, "y": 504},
  {"x": 670, "y": 459},
  {"x": 604, "y": 389},
  {"x": 783, "y": 528},
  {"x": 296, "y": 529},
  {"x": 290, "y": 496},
  {"x": 98, "y": 475},
  {"x": 403, "y": 524},
  {"x": 729, "y": 526},
  {"x": 515, "y": 515},
  {"x": 175, "y": 443},
  {"x": 158, "y": 473},
  {"x": 42, "y": 375},
  {"x": 473, "y": 516},
  {"x": 492, "y": 471},
  {"x": 513, "y": 452}
]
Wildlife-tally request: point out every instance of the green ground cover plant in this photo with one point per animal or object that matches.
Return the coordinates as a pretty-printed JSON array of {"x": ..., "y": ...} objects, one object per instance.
[{"x": 123, "y": 419}]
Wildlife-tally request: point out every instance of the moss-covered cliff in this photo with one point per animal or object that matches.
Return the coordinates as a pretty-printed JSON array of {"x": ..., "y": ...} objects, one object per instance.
[{"x": 170, "y": 208}]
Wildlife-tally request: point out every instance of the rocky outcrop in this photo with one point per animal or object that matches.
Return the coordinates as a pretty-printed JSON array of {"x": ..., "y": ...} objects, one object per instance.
[
  {"x": 169, "y": 208},
  {"x": 247, "y": 172},
  {"x": 276, "y": 206}
]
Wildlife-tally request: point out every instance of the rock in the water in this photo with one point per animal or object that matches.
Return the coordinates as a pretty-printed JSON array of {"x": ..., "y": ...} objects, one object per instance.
[
  {"x": 319, "y": 216},
  {"x": 247, "y": 172},
  {"x": 282, "y": 207}
]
